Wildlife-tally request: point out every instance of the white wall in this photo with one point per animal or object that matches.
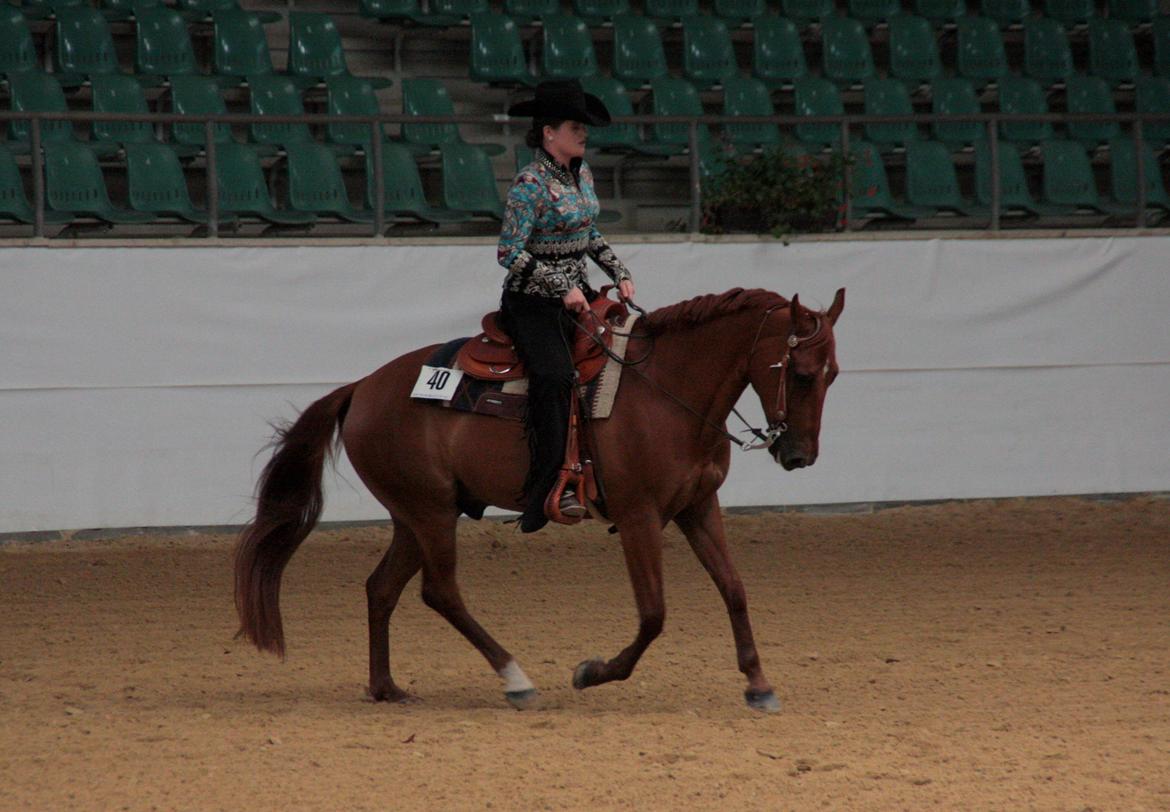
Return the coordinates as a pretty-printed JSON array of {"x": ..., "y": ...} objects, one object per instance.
[{"x": 136, "y": 384}]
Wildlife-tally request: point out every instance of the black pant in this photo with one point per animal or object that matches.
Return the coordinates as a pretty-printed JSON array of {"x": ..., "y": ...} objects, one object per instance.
[{"x": 543, "y": 332}]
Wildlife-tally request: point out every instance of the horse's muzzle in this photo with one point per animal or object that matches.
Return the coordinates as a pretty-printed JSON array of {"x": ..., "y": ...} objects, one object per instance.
[{"x": 791, "y": 458}]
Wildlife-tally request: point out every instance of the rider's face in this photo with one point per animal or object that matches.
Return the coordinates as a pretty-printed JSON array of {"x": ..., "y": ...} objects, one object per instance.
[{"x": 566, "y": 141}]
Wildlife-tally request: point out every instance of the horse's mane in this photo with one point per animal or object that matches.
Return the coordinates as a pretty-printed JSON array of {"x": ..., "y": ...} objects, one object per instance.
[{"x": 702, "y": 309}]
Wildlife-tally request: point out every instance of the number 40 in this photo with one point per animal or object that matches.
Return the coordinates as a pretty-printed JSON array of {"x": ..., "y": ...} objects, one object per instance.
[{"x": 438, "y": 379}]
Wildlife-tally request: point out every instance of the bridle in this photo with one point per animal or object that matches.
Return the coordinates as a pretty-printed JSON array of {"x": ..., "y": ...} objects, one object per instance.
[
  {"x": 764, "y": 437},
  {"x": 779, "y": 425}
]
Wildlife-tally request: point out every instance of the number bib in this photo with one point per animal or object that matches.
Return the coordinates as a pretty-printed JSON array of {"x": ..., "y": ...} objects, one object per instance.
[{"x": 436, "y": 383}]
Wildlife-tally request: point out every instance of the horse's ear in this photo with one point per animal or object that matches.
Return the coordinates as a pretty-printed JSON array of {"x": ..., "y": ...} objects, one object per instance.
[
  {"x": 838, "y": 305},
  {"x": 794, "y": 311}
]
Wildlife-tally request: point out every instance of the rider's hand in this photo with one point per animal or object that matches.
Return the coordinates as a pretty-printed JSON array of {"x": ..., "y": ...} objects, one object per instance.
[
  {"x": 575, "y": 301},
  {"x": 626, "y": 289}
]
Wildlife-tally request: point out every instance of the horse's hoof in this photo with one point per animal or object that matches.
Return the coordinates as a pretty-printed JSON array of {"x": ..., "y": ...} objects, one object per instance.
[
  {"x": 523, "y": 700},
  {"x": 585, "y": 674},
  {"x": 765, "y": 701},
  {"x": 392, "y": 694}
]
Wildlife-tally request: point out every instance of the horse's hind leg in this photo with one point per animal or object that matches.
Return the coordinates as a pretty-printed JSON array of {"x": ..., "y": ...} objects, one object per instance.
[
  {"x": 703, "y": 526},
  {"x": 440, "y": 592},
  {"x": 383, "y": 588}
]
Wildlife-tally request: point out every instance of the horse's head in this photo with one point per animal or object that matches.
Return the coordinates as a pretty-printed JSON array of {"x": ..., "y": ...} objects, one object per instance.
[{"x": 793, "y": 362}]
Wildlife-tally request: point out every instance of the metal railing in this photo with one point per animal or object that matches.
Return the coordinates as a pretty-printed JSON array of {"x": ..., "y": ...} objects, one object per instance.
[{"x": 846, "y": 123}]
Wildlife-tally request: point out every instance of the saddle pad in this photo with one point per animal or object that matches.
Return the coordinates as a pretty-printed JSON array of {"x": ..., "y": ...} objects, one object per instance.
[{"x": 507, "y": 399}]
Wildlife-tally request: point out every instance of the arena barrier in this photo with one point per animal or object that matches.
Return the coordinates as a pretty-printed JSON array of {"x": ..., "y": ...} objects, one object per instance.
[{"x": 137, "y": 384}]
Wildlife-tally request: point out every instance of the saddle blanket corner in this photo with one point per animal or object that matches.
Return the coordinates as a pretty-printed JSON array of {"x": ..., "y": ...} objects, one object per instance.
[{"x": 441, "y": 382}]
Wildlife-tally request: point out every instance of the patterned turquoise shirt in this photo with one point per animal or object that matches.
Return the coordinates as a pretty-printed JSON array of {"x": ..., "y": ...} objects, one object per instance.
[{"x": 549, "y": 228}]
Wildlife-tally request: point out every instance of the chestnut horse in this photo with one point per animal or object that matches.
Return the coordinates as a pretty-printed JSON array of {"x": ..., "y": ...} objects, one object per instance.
[{"x": 664, "y": 452}]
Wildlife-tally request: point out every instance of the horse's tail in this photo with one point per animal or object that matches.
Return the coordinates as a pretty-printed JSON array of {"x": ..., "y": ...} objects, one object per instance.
[{"x": 288, "y": 504}]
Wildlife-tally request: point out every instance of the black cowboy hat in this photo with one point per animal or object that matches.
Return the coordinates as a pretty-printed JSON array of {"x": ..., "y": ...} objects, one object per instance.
[{"x": 564, "y": 100}]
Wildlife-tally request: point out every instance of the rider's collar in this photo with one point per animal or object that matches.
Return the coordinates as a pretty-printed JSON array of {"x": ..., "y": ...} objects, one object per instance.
[{"x": 566, "y": 174}]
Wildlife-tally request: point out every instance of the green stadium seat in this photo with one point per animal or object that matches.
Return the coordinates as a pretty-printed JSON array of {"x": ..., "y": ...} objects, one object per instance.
[
  {"x": 1153, "y": 96},
  {"x": 889, "y": 97},
  {"x": 871, "y": 188},
  {"x": 391, "y": 10},
  {"x": 315, "y": 184},
  {"x": 669, "y": 12},
  {"x": 469, "y": 182},
  {"x": 163, "y": 44},
  {"x": 1112, "y": 55},
  {"x": 803, "y": 12},
  {"x": 429, "y": 97},
  {"x": 120, "y": 94},
  {"x": 74, "y": 183},
  {"x": 314, "y": 49},
  {"x": 459, "y": 10},
  {"x": 1006, "y": 13},
  {"x": 940, "y": 12},
  {"x": 1068, "y": 178},
  {"x": 676, "y": 97},
  {"x": 497, "y": 55},
  {"x": 748, "y": 97},
  {"x": 1161, "y": 34},
  {"x": 1133, "y": 12},
  {"x": 17, "y": 52},
  {"x": 403, "y": 189},
  {"x": 847, "y": 58},
  {"x": 568, "y": 48},
  {"x": 1047, "y": 55},
  {"x": 1018, "y": 94},
  {"x": 872, "y": 12},
  {"x": 1070, "y": 13},
  {"x": 525, "y": 12},
  {"x": 814, "y": 96},
  {"x": 207, "y": 9},
  {"x": 931, "y": 181},
  {"x": 1014, "y": 195},
  {"x": 956, "y": 97},
  {"x": 84, "y": 45},
  {"x": 638, "y": 56},
  {"x": 157, "y": 185},
  {"x": 1161, "y": 31},
  {"x": 240, "y": 45},
  {"x": 40, "y": 9},
  {"x": 277, "y": 96},
  {"x": 777, "y": 53},
  {"x": 737, "y": 12},
  {"x": 981, "y": 55},
  {"x": 615, "y": 137},
  {"x": 1123, "y": 175},
  {"x": 197, "y": 96},
  {"x": 353, "y": 96},
  {"x": 913, "y": 50},
  {"x": 1090, "y": 94},
  {"x": 597, "y": 12},
  {"x": 708, "y": 57},
  {"x": 14, "y": 203},
  {"x": 125, "y": 9},
  {"x": 243, "y": 189},
  {"x": 40, "y": 92}
]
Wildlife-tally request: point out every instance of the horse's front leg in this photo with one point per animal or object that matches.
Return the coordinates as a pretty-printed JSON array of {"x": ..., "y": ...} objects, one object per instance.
[
  {"x": 702, "y": 524},
  {"x": 642, "y": 545}
]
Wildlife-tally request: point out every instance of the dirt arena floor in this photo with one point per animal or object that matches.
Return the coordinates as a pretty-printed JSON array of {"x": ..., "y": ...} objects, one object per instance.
[{"x": 984, "y": 655}]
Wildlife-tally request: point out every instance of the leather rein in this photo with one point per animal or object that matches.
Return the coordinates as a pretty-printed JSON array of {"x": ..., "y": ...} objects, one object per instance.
[{"x": 764, "y": 437}]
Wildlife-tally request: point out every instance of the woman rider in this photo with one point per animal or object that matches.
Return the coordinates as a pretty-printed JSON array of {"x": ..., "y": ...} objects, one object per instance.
[{"x": 548, "y": 229}]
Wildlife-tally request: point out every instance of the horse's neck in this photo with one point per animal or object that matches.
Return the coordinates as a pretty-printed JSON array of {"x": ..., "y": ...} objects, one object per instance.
[{"x": 706, "y": 365}]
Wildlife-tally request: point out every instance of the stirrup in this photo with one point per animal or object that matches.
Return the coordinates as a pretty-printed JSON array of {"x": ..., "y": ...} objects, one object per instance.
[{"x": 569, "y": 506}]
